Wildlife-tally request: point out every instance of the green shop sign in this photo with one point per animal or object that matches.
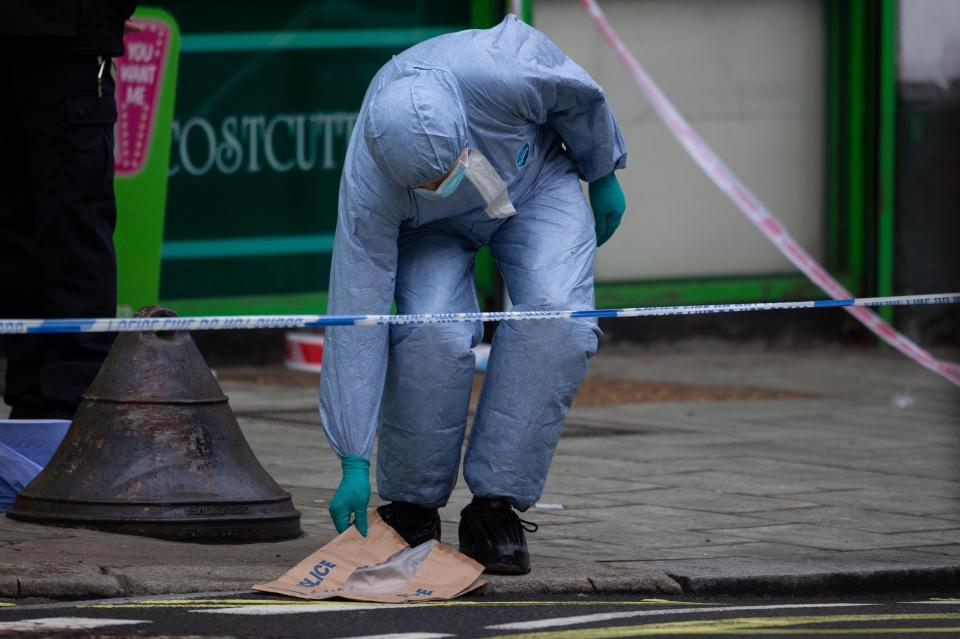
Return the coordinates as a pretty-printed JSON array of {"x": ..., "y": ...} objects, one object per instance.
[{"x": 267, "y": 98}]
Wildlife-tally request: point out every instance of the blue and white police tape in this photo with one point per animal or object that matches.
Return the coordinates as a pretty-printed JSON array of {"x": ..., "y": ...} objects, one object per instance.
[{"x": 219, "y": 323}]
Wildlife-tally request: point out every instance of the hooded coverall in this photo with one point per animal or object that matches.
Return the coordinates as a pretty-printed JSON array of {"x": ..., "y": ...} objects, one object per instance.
[{"x": 544, "y": 124}]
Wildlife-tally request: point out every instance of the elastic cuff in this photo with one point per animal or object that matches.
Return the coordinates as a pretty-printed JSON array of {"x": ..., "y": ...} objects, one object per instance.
[
  {"x": 606, "y": 178},
  {"x": 354, "y": 463}
]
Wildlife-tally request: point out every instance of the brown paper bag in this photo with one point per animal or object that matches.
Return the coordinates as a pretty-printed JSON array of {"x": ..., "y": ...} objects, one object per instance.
[{"x": 380, "y": 567}]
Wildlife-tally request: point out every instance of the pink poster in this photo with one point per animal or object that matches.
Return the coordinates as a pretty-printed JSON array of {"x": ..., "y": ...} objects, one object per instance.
[{"x": 139, "y": 74}]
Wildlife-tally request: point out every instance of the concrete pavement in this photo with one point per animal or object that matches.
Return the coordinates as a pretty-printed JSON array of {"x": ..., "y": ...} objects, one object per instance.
[{"x": 726, "y": 471}]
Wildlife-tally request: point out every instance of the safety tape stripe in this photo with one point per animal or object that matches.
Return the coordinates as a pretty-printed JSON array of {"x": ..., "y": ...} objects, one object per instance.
[
  {"x": 751, "y": 206},
  {"x": 232, "y": 322}
]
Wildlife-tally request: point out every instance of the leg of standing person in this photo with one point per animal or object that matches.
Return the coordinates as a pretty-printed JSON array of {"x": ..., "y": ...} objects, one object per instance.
[
  {"x": 69, "y": 112},
  {"x": 546, "y": 255},
  {"x": 19, "y": 283},
  {"x": 427, "y": 393}
]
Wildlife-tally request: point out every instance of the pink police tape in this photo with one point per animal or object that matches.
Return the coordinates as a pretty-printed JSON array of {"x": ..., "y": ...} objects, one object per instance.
[{"x": 755, "y": 211}]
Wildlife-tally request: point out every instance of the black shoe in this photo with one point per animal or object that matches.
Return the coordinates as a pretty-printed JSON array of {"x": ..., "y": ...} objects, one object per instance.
[
  {"x": 415, "y": 524},
  {"x": 492, "y": 534}
]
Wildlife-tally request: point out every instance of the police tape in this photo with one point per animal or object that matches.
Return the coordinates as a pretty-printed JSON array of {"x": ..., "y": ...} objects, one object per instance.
[
  {"x": 233, "y": 322},
  {"x": 753, "y": 208}
]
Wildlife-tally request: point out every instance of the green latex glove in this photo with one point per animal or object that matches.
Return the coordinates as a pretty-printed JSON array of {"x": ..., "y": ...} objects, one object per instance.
[
  {"x": 352, "y": 495},
  {"x": 608, "y": 204}
]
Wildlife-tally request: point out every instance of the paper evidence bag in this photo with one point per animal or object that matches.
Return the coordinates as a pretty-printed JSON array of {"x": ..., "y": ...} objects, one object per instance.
[{"x": 381, "y": 568}]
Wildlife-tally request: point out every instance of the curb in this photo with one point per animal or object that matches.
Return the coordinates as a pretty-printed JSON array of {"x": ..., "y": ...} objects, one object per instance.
[
  {"x": 112, "y": 583},
  {"x": 92, "y": 587},
  {"x": 646, "y": 583},
  {"x": 934, "y": 578}
]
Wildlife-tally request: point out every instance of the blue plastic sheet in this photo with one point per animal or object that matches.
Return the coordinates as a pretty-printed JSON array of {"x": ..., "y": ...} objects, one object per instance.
[{"x": 26, "y": 447}]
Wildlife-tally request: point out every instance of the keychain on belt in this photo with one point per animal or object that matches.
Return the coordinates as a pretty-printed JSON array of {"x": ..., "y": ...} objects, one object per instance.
[{"x": 102, "y": 61}]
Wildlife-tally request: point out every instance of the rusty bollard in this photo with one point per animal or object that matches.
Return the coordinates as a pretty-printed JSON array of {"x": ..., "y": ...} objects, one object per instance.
[{"x": 155, "y": 450}]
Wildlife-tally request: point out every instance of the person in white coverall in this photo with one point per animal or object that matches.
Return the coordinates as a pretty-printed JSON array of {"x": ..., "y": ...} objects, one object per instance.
[{"x": 470, "y": 139}]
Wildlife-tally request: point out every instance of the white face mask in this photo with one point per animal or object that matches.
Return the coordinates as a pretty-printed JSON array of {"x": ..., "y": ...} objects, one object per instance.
[{"x": 488, "y": 183}]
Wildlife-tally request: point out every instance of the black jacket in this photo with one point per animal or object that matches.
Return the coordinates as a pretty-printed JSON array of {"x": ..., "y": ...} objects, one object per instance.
[{"x": 65, "y": 27}]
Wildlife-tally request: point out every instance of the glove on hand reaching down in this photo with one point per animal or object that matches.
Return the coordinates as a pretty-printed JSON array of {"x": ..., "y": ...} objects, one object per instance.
[
  {"x": 608, "y": 204},
  {"x": 352, "y": 495}
]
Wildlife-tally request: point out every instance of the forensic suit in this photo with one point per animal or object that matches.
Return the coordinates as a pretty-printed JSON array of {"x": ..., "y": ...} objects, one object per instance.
[{"x": 531, "y": 124}]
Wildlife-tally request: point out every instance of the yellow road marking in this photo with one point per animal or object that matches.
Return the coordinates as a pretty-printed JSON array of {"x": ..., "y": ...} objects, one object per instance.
[
  {"x": 749, "y": 625},
  {"x": 235, "y": 603},
  {"x": 853, "y": 631},
  {"x": 6, "y": 604}
]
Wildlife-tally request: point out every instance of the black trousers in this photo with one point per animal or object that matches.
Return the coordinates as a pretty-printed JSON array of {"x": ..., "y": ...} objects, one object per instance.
[{"x": 57, "y": 215}]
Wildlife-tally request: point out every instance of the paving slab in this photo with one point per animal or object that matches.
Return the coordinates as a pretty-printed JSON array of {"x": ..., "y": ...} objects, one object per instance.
[
  {"x": 907, "y": 503},
  {"x": 858, "y": 519},
  {"x": 714, "y": 501},
  {"x": 671, "y": 518},
  {"x": 749, "y": 484},
  {"x": 595, "y": 538},
  {"x": 577, "y": 463},
  {"x": 568, "y": 485},
  {"x": 949, "y": 549},
  {"x": 830, "y": 538}
]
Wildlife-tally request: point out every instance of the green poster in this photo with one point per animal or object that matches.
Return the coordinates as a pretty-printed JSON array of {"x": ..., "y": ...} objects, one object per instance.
[
  {"x": 146, "y": 82},
  {"x": 267, "y": 98}
]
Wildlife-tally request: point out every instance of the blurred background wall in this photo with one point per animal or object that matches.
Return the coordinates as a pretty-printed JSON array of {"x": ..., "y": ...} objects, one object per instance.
[{"x": 750, "y": 78}]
